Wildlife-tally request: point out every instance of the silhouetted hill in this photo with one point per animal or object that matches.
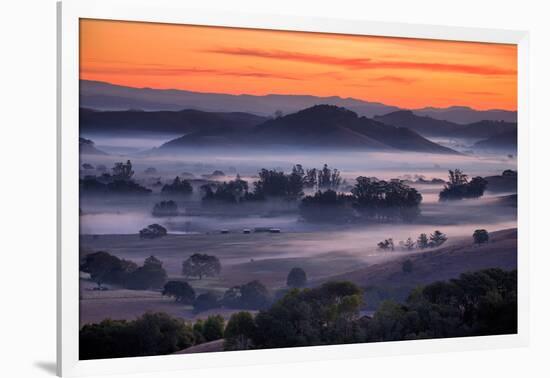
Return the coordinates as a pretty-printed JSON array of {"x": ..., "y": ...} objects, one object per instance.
[
  {"x": 485, "y": 129},
  {"x": 428, "y": 126},
  {"x": 318, "y": 126},
  {"x": 106, "y": 96},
  {"x": 423, "y": 125},
  {"x": 507, "y": 141},
  {"x": 173, "y": 122},
  {"x": 465, "y": 115}
]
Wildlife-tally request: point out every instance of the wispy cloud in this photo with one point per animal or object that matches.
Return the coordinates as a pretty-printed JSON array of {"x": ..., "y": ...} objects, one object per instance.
[
  {"x": 365, "y": 63},
  {"x": 159, "y": 70},
  {"x": 482, "y": 93},
  {"x": 393, "y": 79}
]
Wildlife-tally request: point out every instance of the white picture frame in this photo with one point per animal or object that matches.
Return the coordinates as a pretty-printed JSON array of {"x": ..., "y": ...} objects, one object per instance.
[{"x": 164, "y": 11}]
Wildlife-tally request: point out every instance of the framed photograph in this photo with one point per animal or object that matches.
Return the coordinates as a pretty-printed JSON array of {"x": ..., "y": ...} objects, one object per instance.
[{"x": 251, "y": 188}]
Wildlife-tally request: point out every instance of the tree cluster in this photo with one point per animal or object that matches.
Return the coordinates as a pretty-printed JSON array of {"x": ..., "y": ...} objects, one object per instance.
[
  {"x": 459, "y": 187},
  {"x": 370, "y": 199},
  {"x": 150, "y": 334},
  {"x": 118, "y": 182},
  {"x": 105, "y": 268},
  {"x": 165, "y": 209},
  {"x": 475, "y": 304},
  {"x": 178, "y": 187}
]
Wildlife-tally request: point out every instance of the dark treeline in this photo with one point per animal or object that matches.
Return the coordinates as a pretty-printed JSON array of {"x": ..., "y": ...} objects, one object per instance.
[
  {"x": 273, "y": 184},
  {"x": 370, "y": 199},
  {"x": 119, "y": 181},
  {"x": 105, "y": 268},
  {"x": 475, "y": 304}
]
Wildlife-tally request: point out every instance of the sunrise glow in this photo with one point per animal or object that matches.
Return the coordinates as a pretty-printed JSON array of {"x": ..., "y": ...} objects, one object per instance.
[{"x": 408, "y": 73}]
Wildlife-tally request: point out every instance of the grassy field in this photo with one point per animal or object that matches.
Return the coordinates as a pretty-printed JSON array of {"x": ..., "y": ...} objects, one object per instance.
[{"x": 269, "y": 257}]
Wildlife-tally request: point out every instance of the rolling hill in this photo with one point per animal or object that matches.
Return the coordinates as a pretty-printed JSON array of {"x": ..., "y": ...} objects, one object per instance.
[
  {"x": 431, "y": 127},
  {"x": 318, "y": 126},
  {"x": 507, "y": 141},
  {"x": 465, "y": 115},
  {"x": 441, "y": 264},
  {"x": 169, "y": 122}
]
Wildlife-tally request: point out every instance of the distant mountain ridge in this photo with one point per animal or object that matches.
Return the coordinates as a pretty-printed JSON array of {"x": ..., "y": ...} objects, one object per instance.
[
  {"x": 430, "y": 127},
  {"x": 106, "y": 96},
  {"x": 317, "y": 126},
  {"x": 464, "y": 114}
]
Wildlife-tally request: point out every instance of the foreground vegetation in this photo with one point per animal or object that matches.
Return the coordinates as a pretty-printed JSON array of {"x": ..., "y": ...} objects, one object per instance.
[{"x": 475, "y": 304}]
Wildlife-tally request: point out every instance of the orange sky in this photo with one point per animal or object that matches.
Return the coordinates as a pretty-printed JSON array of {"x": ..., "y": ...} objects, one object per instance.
[{"x": 409, "y": 73}]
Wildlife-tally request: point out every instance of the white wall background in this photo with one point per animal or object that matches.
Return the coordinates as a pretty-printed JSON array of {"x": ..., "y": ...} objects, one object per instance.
[{"x": 27, "y": 149}]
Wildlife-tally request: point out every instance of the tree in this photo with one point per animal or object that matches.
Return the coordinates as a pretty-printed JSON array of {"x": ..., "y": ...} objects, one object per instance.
[
  {"x": 106, "y": 268},
  {"x": 153, "y": 231},
  {"x": 201, "y": 265},
  {"x": 206, "y": 301},
  {"x": 123, "y": 171},
  {"x": 386, "y": 244},
  {"x": 409, "y": 244},
  {"x": 239, "y": 331},
  {"x": 328, "y": 179},
  {"x": 310, "y": 179},
  {"x": 165, "y": 209},
  {"x": 407, "y": 266},
  {"x": 423, "y": 242},
  {"x": 437, "y": 239},
  {"x": 149, "y": 276},
  {"x": 213, "y": 327},
  {"x": 254, "y": 295},
  {"x": 296, "y": 181},
  {"x": 296, "y": 278},
  {"x": 181, "y": 291},
  {"x": 481, "y": 236}
]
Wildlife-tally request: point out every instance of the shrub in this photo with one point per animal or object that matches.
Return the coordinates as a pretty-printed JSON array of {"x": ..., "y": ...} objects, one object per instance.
[
  {"x": 481, "y": 236},
  {"x": 296, "y": 278}
]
